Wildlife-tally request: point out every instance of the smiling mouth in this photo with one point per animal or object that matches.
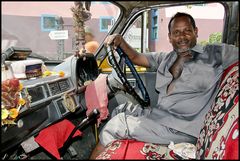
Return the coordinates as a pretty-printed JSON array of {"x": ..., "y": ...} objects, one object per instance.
[
  {"x": 183, "y": 46},
  {"x": 183, "y": 43},
  {"x": 182, "y": 50}
]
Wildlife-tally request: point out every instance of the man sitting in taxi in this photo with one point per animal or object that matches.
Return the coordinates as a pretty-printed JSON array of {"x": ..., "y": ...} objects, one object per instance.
[{"x": 186, "y": 80}]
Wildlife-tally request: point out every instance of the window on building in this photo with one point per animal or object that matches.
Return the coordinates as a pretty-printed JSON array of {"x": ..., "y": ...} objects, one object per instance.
[
  {"x": 106, "y": 23},
  {"x": 154, "y": 15},
  {"x": 48, "y": 22}
]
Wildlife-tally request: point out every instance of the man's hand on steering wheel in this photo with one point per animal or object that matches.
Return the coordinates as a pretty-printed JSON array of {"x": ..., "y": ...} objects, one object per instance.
[
  {"x": 114, "y": 40},
  {"x": 112, "y": 44}
]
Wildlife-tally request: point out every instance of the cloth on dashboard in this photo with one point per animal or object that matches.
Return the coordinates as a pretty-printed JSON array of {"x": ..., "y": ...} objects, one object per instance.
[
  {"x": 96, "y": 97},
  {"x": 53, "y": 137}
]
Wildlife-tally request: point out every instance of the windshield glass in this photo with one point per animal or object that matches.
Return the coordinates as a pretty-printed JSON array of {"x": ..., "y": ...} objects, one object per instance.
[{"x": 47, "y": 27}]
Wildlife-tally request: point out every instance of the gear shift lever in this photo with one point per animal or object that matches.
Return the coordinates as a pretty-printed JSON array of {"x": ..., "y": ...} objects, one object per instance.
[{"x": 93, "y": 116}]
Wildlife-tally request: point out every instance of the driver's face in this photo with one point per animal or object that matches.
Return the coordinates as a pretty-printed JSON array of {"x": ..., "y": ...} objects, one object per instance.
[{"x": 182, "y": 35}]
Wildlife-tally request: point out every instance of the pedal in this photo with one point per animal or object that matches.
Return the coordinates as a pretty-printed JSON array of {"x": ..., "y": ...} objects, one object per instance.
[{"x": 29, "y": 145}]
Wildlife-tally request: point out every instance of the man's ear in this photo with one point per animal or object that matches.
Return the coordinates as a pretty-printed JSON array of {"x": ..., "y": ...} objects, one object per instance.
[
  {"x": 196, "y": 31},
  {"x": 169, "y": 37}
]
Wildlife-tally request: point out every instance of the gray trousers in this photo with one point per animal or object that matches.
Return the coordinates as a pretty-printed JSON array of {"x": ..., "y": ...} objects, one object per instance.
[{"x": 132, "y": 123}]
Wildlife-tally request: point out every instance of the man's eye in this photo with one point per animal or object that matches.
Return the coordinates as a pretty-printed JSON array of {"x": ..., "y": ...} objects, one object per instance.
[
  {"x": 188, "y": 31},
  {"x": 176, "y": 33}
]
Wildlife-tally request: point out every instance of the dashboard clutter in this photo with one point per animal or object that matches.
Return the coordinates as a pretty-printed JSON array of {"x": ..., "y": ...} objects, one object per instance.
[
  {"x": 16, "y": 53},
  {"x": 6, "y": 71},
  {"x": 11, "y": 100},
  {"x": 26, "y": 69}
]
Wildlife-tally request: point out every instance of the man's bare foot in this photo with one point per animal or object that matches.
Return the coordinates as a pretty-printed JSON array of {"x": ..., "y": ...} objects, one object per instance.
[{"x": 98, "y": 149}]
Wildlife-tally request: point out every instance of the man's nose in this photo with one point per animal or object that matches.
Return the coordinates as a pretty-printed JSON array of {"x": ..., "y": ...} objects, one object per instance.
[{"x": 182, "y": 34}]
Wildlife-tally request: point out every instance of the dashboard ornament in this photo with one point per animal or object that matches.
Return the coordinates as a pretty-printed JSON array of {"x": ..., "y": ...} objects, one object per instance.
[
  {"x": 69, "y": 102},
  {"x": 86, "y": 66},
  {"x": 80, "y": 15}
]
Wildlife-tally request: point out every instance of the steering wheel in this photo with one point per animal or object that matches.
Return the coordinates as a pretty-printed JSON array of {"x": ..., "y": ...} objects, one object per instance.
[{"x": 144, "y": 99}]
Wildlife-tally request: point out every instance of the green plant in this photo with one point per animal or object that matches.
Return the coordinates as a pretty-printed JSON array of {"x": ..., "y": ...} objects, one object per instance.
[{"x": 215, "y": 37}]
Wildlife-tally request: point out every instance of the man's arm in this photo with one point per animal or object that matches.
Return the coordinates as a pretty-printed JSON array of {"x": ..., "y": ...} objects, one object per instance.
[{"x": 134, "y": 56}]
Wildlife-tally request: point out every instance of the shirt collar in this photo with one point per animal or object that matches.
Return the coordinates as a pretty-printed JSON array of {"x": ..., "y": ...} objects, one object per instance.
[{"x": 198, "y": 48}]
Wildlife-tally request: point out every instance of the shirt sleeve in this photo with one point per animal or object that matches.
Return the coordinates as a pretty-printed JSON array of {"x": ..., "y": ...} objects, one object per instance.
[
  {"x": 222, "y": 54},
  {"x": 229, "y": 55},
  {"x": 154, "y": 59}
]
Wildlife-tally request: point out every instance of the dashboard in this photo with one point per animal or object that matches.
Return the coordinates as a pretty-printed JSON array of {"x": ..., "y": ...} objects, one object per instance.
[
  {"x": 60, "y": 91},
  {"x": 49, "y": 100}
]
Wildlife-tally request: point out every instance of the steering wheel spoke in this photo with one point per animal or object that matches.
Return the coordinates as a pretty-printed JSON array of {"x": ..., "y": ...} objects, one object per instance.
[{"x": 144, "y": 99}]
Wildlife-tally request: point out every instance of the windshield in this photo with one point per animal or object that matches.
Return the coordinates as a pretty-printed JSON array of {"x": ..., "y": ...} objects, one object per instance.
[{"x": 47, "y": 27}]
